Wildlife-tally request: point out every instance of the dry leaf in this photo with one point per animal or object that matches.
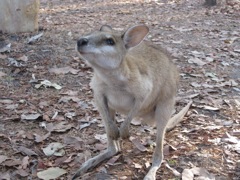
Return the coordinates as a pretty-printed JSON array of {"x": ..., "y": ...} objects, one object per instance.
[
  {"x": 59, "y": 127},
  {"x": 34, "y": 38},
  {"x": 210, "y": 108},
  {"x": 12, "y": 162},
  {"x": 87, "y": 124},
  {"x": 3, "y": 158},
  {"x": 102, "y": 138},
  {"x": 195, "y": 84},
  {"x": 23, "y": 58},
  {"x": 30, "y": 116},
  {"x": 137, "y": 166},
  {"x": 196, "y": 61},
  {"x": 113, "y": 160},
  {"x": 21, "y": 172},
  {"x": 100, "y": 146},
  {"x": 136, "y": 122},
  {"x": 70, "y": 93},
  {"x": 54, "y": 149},
  {"x": 229, "y": 83},
  {"x": 5, "y": 176},
  {"x": 11, "y": 106},
  {"x": 3, "y": 56},
  {"x": 51, "y": 173},
  {"x": 6, "y": 101},
  {"x": 75, "y": 142},
  {"x": 2, "y": 74},
  {"x": 39, "y": 138},
  {"x": 231, "y": 139},
  {"x": 68, "y": 98},
  {"x": 138, "y": 144},
  {"x": 6, "y": 48},
  {"x": 25, "y": 162},
  {"x": 47, "y": 83},
  {"x": 63, "y": 70},
  {"x": 188, "y": 174},
  {"x": 27, "y": 151},
  {"x": 175, "y": 172},
  {"x": 70, "y": 115},
  {"x": 168, "y": 148}
]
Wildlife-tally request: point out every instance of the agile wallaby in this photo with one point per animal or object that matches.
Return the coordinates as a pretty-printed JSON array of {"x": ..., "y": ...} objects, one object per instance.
[{"x": 133, "y": 77}]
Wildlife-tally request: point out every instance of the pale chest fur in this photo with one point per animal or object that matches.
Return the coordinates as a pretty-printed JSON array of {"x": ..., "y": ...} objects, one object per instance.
[{"x": 121, "y": 96}]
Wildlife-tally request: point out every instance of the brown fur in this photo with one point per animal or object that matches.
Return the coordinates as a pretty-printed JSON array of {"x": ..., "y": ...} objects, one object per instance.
[{"x": 132, "y": 77}]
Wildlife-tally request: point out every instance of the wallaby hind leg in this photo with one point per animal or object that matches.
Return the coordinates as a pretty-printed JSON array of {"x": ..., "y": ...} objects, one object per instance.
[
  {"x": 113, "y": 148},
  {"x": 162, "y": 115},
  {"x": 112, "y": 136}
]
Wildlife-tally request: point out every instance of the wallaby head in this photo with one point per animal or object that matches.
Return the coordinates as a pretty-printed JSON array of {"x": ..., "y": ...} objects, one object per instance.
[{"x": 106, "y": 48}]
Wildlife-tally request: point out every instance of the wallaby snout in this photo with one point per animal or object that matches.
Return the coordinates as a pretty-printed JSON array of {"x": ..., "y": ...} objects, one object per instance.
[{"x": 82, "y": 42}]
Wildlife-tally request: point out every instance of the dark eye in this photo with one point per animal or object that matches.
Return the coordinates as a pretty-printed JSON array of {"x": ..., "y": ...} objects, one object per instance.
[{"x": 110, "y": 41}]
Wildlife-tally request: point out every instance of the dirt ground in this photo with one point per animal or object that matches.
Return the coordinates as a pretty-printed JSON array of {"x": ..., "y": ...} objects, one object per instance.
[{"x": 205, "y": 45}]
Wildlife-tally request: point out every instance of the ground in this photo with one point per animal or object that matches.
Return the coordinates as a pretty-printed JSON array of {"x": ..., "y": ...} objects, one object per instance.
[{"x": 205, "y": 45}]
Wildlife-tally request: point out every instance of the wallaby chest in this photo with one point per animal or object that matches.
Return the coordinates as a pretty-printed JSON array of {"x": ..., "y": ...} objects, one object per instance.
[
  {"x": 121, "y": 95},
  {"x": 120, "y": 100}
]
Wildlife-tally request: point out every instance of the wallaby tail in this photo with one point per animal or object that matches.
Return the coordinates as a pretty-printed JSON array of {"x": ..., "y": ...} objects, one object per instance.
[{"x": 178, "y": 117}]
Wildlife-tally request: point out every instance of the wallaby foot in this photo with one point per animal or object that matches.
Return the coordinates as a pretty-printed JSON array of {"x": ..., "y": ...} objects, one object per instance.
[
  {"x": 93, "y": 162},
  {"x": 151, "y": 175},
  {"x": 157, "y": 161}
]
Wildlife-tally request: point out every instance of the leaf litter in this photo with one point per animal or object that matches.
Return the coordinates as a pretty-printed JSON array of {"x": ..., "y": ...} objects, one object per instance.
[{"x": 58, "y": 107}]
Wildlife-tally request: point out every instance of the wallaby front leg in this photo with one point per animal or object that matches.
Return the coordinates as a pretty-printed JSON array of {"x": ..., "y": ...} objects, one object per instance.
[
  {"x": 162, "y": 115},
  {"x": 112, "y": 136},
  {"x": 124, "y": 128}
]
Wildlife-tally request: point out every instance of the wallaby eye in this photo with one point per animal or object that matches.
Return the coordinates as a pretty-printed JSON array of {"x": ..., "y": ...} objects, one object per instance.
[{"x": 110, "y": 41}]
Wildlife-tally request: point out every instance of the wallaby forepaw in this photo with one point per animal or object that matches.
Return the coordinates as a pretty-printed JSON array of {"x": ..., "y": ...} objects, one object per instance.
[
  {"x": 114, "y": 132},
  {"x": 124, "y": 132}
]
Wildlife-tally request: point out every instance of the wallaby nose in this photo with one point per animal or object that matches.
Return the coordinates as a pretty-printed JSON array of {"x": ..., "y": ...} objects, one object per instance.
[{"x": 82, "y": 42}]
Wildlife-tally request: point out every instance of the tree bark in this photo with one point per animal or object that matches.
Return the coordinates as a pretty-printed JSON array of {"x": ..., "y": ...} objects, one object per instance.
[{"x": 19, "y": 15}]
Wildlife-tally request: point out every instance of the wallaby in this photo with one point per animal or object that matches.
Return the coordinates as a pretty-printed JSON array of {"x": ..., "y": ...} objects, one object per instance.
[{"x": 133, "y": 77}]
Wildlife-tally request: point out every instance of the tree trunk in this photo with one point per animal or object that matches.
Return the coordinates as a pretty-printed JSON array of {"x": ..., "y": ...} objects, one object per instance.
[{"x": 19, "y": 15}]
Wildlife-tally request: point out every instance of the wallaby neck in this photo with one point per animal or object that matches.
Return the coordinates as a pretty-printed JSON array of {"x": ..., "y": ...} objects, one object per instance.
[{"x": 119, "y": 75}]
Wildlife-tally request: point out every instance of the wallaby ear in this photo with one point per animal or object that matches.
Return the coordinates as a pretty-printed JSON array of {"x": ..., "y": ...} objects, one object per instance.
[
  {"x": 134, "y": 35},
  {"x": 106, "y": 28}
]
